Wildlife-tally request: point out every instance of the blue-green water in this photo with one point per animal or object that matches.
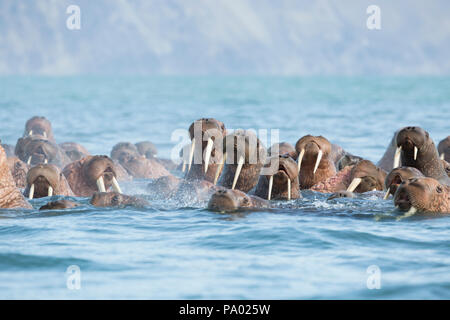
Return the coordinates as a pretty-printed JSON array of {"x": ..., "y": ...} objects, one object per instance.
[{"x": 308, "y": 248}]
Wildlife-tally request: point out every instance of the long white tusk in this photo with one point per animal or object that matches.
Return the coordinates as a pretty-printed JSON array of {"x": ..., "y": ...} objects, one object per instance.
[
  {"x": 220, "y": 167},
  {"x": 442, "y": 156},
  {"x": 45, "y": 134},
  {"x": 115, "y": 185},
  {"x": 289, "y": 188},
  {"x": 183, "y": 168},
  {"x": 269, "y": 193},
  {"x": 410, "y": 213},
  {"x": 208, "y": 151},
  {"x": 31, "y": 194},
  {"x": 300, "y": 159},
  {"x": 101, "y": 184},
  {"x": 319, "y": 157},
  {"x": 355, "y": 183},
  {"x": 238, "y": 171},
  {"x": 191, "y": 155},
  {"x": 397, "y": 157},
  {"x": 387, "y": 194},
  {"x": 45, "y": 161},
  {"x": 50, "y": 191},
  {"x": 415, "y": 153},
  {"x": 30, "y": 133},
  {"x": 29, "y": 160}
]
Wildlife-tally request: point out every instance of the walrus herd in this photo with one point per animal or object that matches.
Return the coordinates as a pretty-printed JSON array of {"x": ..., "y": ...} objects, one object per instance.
[{"x": 229, "y": 170}]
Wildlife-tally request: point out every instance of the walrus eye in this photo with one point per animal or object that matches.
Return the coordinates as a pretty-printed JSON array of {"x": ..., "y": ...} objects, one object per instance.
[{"x": 439, "y": 189}]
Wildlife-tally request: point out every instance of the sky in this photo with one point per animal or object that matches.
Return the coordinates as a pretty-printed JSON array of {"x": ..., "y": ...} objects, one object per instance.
[{"x": 225, "y": 37}]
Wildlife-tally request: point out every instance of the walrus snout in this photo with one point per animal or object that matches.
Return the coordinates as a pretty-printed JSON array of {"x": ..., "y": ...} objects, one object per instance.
[
  {"x": 223, "y": 200},
  {"x": 100, "y": 171},
  {"x": 38, "y": 126},
  {"x": 42, "y": 180}
]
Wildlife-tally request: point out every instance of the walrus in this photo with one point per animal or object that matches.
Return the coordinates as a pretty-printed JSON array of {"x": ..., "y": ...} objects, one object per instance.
[
  {"x": 227, "y": 200},
  {"x": 361, "y": 177},
  {"x": 206, "y": 153},
  {"x": 74, "y": 151},
  {"x": 416, "y": 149},
  {"x": 59, "y": 205},
  {"x": 39, "y": 126},
  {"x": 18, "y": 170},
  {"x": 115, "y": 199},
  {"x": 91, "y": 174},
  {"x": 348, "y": 160},
  {"x": 422, "y": 194},
  {"x": 281, "y": 183},
  {"x": 397, "y": 176},
  {"x": 46, "y": 180},
  {"x": 124, "y": 148},
  {"x": 147, "y": 149},
  {"x": 10, "y": 195},
  {"x": 35, "y": 149},
  {"x": 444, "y": 149},
  {"x": 314, "y": 160},
  {"x": 244, "y": 156}
]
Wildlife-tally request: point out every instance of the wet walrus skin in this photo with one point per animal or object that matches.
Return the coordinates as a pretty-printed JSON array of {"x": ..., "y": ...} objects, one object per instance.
[
  {"x": 444, "y": 149},
  {"x": 397, "y": 176},
  {"x": 417, "y": 150},
  {"x": 19, "y": 171},
  {"x": 227, "y": 200},
  {"x": 245, "y": 156},
  {"x": 285, "y": 184},
  {"x": 91, "y": 174},
  {"x": 423, "y": 195},
  {"x": 59, "y": 205},
  {"x": 205, "y": 147},
  {"x": 45, "y": 180},
  {"x": 314, "y": 160},
  {"x": 115, "y": 199},
  {"x": 10, "y": 195}
]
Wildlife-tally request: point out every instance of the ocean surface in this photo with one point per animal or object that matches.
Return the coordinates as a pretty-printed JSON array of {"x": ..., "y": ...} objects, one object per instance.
[{"x": 304, "y": 249}]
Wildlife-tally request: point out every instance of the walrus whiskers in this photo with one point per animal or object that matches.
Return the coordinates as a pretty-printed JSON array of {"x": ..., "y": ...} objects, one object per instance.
[
  {"x": 208, "y": 151},
  {"x": 355, "y": 183},
  {"x": 387, "y": 194},
  {"x": 238, "y": 171},
  {"x": 397, "y": 157},
  {"x": 319, "y": 158},
  {"x": 300, "y": 159},
  {"x": 50, "y": 191},
  {"x": 219, "y": 168},
  {"x": 191, "y": 155},
  {"x": 101, "y": 184},
  {"x": 115, "y": 185},
  {"x": 269, "y": 193},
  {"x": 31, "y": 194}
]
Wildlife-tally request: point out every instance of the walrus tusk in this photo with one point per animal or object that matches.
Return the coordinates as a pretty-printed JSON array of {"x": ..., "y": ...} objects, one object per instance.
[
  {"x": 219, "y": 168},
  {"x": 415, "y": 153},
  {"x": 238, "y": 172},
  {"x": 387, "y": 194},
  {"x": 45, "y": 134},
  {"x": 115, "y": 185},
  {"x": 29, "y": 160},
  {"x": 410, "y": 213},
  {"x": 50, "y": 191},
  {"x": 208, "y": 151},
  {"x": 183, "y": 168},
  {"x": 31, "y": 194},
  {"x": 442, "y": 156},
  {"x": 300, "y": 159},
  {"x": 45, "y": 161},
  {"x": 289, "y": 188},
  {"x": 319, "y": 157},
  {"x": 269, "y": 193},
  {"x": 355, "y": 183},
  {"x": 30, "y": 133},
  {"x": 397, "y": 157},
  {"x": 191, "y": 155},
  {"x": 101, "y": 184}
]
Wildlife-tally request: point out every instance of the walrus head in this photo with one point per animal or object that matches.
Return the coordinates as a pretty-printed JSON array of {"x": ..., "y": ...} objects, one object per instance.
[
  {"x": 115, "y": 199},
  {"x": 365, "y": 176},
  {"x": 147, "y": 149},
  {"x": 205, "y": 150},
  {"x": 74, "y": 150},
  {"x": 313, "y": 164},
  {"x": 38, "y": 126},
  {"x": 244, "y": 156},
  {"x": 397, "y": 176},
  {"x": 410, "y": 142},
  {"x": 42, "y": 180},
  {"x": 422, "y": 195},
  {"x": 123, "y": 149},
  {"x": 226, "y": 200},
  {"x": 444, "y": 149},
  {"x": 348, "y": 160},
  {"x": 281, "y": 181},
  {"x": 100, "y": 172},
  {"x": 34, "y": 150}
]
